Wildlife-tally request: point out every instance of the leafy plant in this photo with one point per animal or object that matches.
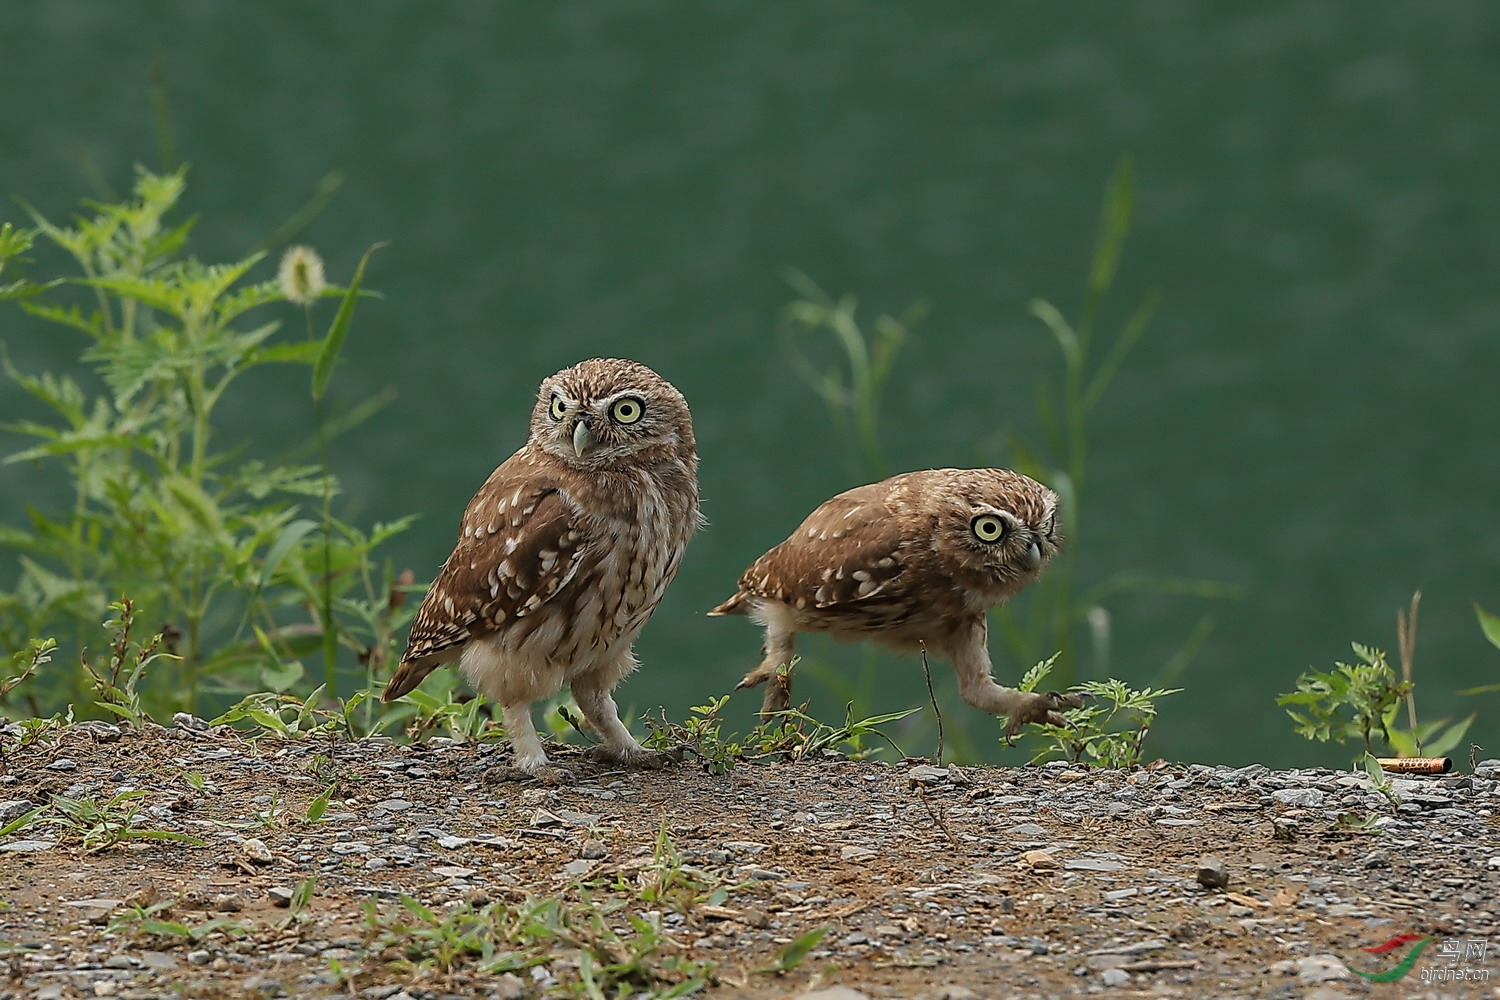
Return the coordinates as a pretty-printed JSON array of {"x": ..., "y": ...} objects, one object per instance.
[
  {"x": 791, "y": 735},
  {"x": 1348, "y": 702},
  {"x": 594, "y": 948},
  {"x": 99, "y": 826},
  {"x": 117, "y": 681},
  {"x": 297, "y": 718},
  {"x": 204, "y": 537},
  {"x": 1111, "y": 727},
  {"x": 1489, "y": 624},
  {"x": 852, "y": 389},
  {"x": 1379, "y": 780},
  {"x": 1363, "y": 699},
  {"x": 150, "y": 921}
]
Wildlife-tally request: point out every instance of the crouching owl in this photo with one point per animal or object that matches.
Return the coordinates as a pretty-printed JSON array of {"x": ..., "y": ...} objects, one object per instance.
[
  {"x": 564, "y": 553},
  {"x": 915, "y": 560}
]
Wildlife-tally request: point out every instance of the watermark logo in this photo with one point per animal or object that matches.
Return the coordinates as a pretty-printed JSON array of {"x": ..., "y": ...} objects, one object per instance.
[{"x": 1452, "y": 949}]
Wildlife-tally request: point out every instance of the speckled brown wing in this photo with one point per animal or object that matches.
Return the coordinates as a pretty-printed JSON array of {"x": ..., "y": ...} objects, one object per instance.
[
  {"x": 845, "y": 557},
  {"x": 519, "y": 545}
]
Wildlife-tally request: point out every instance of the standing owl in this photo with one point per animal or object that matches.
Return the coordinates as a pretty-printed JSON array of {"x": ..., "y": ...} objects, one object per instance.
[
  {"x": 564, "y": 553},
  {"x": 916, "y": 560}
]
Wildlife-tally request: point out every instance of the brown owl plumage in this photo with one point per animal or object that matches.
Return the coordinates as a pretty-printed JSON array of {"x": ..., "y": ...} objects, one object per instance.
[
  {"x": 915, "y": 560},
  {"x": 564, "y": 553}
]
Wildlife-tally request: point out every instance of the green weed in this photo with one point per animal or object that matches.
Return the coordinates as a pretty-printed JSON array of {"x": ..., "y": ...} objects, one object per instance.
[
  {"x": 98, "y": 826},
  {"x": 204, "y": 537},
  {"x": 1111, "y": 727},
  {"x": 792, "y": 735}
]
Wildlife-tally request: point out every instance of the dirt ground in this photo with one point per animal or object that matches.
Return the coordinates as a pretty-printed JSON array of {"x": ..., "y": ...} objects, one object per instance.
[{"x": 926, "y": 882}]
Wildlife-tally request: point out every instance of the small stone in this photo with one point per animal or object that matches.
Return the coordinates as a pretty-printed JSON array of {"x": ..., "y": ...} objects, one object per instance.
[
  {"x": 199, "y": 957},
  {"x": 63, "y": 764},
  {"x": 452, "y": 843},
  {"x": 1320, "y": 968},
  {"x": 1092, "y": 865},
  {"x": 375, "y": 864},
  {"x": 256, "y": 850},
  {"x": 28, "y": 846},
  {"x": 12, "y": 808},
  {"x": 1040, "y": 859},
  {"x": 1116, "y": 895},
  {"x": 508, "y": 987},
  {"x": 743, "y": 846},
  {"x": 227, "y": 902},
  {"x": 105, "y": 988},
  {"x": 833, "y": 993},
  {"x": 593, "y": 850},
  {"x": 1028, "y": 831},
  {"x": 119, "y": 962},
  {"x": 575, "y": 869},
  {"x": 1212, "y": 873},
  {"x": 853, "y": 852},
  {"x": 453, "y": 871},
  {"x": 183, "y": 720},
  {"x": 391, "y": 805},
  {"x": 280, "y": 896},
  {"x": 926, "y": 774},
  {"x": 1115, "y": 977}
]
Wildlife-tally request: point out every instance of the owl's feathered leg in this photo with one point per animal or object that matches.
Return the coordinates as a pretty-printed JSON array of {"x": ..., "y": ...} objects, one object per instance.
[
  {"x": 776, "y": 667},
  {"x": 593, "y": 693},
  {"x": 970, "y": 653},
  {"x": 523, "y": 738}
]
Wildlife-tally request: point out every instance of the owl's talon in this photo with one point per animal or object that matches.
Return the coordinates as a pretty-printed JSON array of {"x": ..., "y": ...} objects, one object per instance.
[{"x": 639, "y": 759}]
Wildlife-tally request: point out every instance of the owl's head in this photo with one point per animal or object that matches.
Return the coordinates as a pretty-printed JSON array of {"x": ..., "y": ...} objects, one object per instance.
[
  {"x": 609, "y": 411},
  {"x": 1001, "y": 525}
]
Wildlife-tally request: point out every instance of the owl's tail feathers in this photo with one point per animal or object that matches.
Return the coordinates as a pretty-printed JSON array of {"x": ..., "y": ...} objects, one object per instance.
[
  {"x": 408, "y": 676},
  {"x": 734, "y": 606}
]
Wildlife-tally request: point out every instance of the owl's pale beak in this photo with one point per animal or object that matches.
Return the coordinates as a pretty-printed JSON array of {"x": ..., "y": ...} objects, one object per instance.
[
  {"x": 1033, "y": 556},
  {"x": 583, "y": 439}
]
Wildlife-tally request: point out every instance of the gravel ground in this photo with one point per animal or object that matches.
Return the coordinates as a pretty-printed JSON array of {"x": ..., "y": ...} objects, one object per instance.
[{"x": 1171, "y": 881}]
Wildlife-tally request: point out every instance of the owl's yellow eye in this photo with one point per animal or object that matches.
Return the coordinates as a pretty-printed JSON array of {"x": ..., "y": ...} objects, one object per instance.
[
  {"x": 627, "y": 410},
  {"x": 557, "y": 410},
  {"x": 987, "y": 528}
]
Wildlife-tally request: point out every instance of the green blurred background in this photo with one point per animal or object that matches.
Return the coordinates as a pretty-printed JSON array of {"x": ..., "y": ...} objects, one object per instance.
[{"x": 1311, "y": 416}]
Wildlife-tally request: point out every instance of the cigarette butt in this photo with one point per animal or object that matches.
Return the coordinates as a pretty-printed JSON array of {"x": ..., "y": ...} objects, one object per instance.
[{"x": 1416, "y": 765}]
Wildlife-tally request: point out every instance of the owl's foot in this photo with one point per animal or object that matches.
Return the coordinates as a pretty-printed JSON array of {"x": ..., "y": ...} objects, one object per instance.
[
  {"x": 778, "y": 682},
  {"x": 1043, "y": 707},
  {"x": 638, "y": 758}
]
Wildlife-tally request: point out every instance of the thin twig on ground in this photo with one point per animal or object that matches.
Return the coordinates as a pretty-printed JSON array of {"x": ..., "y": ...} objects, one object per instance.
[
  {"x": 937, "y": 816},
  {"x": 932, "y": 697}
]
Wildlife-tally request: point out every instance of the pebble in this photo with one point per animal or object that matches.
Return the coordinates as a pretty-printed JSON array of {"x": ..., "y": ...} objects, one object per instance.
[
  {"x": 199, "y": 957},
  {"x": 1212, "y": 873},
  {"x": 925, "y": 774},
  {"x": 280, "y": 896},
  {"x": 256, "y": 850},
  {"x": 1115, "y": 977},
  {"x": 593, "y": 850},
  {"x": 63, "y": 764},
  {"x": 11, "y": 808}
]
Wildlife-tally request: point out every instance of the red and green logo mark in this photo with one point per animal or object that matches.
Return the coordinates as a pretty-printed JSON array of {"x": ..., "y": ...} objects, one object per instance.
[{"x": 1400, "y": 970}]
